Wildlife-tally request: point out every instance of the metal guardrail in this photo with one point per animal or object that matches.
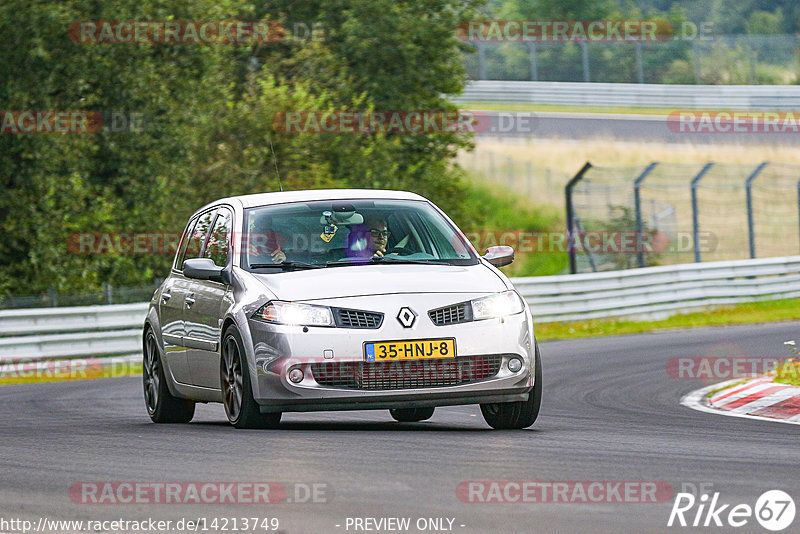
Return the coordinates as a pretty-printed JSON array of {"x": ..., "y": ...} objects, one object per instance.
[
  {"x": 742, "y": 97},
  {"x": 650, "y": 291},
  {"x": 659, "y": 291},
  {"x": 79, "y": 331}
]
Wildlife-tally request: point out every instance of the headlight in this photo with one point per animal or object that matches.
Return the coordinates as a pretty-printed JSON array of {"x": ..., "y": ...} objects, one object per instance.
[
  {"x": 499, "y": 305},
  {"x": 278, "y": 312}
]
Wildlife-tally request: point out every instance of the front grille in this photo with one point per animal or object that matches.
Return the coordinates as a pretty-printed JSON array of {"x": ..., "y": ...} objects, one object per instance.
[
  {"x": 358, "y": 318},
  {"x": 406, "y": 374},
  {"x": 457, "y": 313}
]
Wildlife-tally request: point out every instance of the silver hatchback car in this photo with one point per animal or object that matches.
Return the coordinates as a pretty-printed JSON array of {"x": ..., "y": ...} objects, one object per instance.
[{"x": 337, "y": 300}]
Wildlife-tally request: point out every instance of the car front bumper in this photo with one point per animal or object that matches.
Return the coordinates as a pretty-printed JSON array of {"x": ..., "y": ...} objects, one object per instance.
[{"x": 276, "y": 349}]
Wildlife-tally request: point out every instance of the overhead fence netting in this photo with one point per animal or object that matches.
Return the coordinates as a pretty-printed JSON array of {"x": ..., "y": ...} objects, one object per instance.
[{"x": 685, "y": 59}]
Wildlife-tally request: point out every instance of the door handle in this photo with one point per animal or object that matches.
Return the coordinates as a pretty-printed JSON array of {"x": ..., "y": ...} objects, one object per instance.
[
  {"x": 189, "y": 301},
  {"x": 165, "y": 296}
]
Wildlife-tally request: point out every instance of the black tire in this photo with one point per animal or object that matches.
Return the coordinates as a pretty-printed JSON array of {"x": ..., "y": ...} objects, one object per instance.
[
  {"x": 237, "y": 392},
  {"x": 411, "y": 415},
  {"x": 162, "y": 406},
  {"x": 521, "y": 414}
]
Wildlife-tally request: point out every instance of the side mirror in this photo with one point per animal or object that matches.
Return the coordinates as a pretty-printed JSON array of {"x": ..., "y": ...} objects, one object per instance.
[
  {"x": 499, "y": 255},
  {"x": 204, "y": 269}
]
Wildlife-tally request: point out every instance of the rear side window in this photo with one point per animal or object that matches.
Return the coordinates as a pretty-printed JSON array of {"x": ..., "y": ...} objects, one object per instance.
[{"x": 193, "y": 246}]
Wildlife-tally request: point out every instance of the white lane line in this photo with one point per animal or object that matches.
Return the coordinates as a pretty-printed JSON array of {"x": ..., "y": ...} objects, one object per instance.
[{"x": 696, "y": 401}]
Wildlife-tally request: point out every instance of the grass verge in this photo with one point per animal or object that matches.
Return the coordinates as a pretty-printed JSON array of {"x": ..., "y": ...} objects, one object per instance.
[
  {"x": 754, "y": 312},
  {"x": 788, "y": 373},
  {"x": 26, "y": 372},
  {"x": 502, "y": 218}
]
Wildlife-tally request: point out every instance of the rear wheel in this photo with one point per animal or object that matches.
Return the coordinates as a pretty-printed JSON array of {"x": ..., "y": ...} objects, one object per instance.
[
  {"x": 237, "y": 391},
  {"x": 521, "y": 414},
  {"x": 411, "y": 415},
  {"x": 162, "y": 406}
]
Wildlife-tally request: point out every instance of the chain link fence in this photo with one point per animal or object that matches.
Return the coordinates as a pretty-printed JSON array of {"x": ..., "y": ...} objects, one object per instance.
[
  {"x": 721, "y": 59},
  {"x": 107, "y": 294},
  {"x": 668, "y": 213}
]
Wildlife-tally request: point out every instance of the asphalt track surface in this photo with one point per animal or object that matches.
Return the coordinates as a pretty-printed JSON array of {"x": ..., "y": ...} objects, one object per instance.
[
  {"x": 622, "y": 127},
  {"x": 610, "y": 413}
]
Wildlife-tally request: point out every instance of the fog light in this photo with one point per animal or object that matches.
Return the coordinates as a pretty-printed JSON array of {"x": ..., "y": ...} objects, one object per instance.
[
  {"x": 296, "y": 375},
  {"x": 514, "y": 365}
]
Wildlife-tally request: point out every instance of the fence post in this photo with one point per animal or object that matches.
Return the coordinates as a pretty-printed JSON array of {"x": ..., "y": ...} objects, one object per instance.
[
  {"x": 698, "y": 76},
  {"x": 52, "y": 296},
  {"x": 571, "y": 215},
  {"x": 695, "y": 221},
  {"x": 749, "y": 191},
  {"x": 534, "y": 66},
  {"x": 481, "y": 60},
  {"x": 108, "y": 290},
  {"x": 637, "y": 201},
  {"x": 798, "y": 197},
  {"x": 639, "y": 63},
  {"x": 585, "y": 56}
]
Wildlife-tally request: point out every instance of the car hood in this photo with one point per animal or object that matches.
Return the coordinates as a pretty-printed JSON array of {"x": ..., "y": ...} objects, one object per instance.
[{"x": 361, "y": 280}]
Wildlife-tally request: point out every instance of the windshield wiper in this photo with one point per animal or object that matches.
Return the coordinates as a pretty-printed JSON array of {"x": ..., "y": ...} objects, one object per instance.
[
  {"x": 384, "y": 259},
  {"x": 287, "y": 265}
]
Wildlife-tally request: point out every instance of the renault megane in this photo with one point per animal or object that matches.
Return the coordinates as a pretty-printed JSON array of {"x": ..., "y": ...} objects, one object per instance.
[{"x": 337, "y": 300}]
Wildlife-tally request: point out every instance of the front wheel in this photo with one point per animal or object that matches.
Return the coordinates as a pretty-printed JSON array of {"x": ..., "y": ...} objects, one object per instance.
[
  {"x": 162, "y": 406},
  {"x": 237, "y": 392},
  {"x": 411, "y": 415},
  {"x": 521, "y": 414}
]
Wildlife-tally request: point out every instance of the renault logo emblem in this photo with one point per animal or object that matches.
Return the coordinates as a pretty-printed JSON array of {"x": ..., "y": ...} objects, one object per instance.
[{"x": 406, "y": 317}]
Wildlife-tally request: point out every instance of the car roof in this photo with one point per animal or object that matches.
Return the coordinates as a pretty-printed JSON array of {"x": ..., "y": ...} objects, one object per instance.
[{"x": 265, "y": 199}]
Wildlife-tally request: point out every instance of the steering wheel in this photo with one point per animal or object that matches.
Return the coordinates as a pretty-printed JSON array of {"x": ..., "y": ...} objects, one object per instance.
[{"x": 400, "y": 251}]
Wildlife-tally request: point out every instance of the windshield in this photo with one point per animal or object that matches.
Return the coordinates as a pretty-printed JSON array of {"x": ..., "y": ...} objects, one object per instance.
[{"x": 316, "y": 234}]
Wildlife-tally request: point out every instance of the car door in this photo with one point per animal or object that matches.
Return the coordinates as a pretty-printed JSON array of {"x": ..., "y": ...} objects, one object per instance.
[
  {"x": 174, "y": 297},
  {"x": 204, "y": 308},
  {"x": 171, "y": 303}
]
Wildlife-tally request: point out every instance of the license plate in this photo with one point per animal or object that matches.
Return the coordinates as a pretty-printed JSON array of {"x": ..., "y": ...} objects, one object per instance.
[{"x": 416, "y": 349}]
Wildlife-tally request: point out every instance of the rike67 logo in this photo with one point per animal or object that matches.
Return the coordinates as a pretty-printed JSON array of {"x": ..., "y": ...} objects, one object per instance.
[{"x": 774, "y": 510}]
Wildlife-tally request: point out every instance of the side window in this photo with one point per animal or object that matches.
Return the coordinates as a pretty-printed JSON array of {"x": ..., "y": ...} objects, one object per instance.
[
  {"x": 184, "y": 244},
  {"x": 194, "y": 245},
  {"x": 218, "y": 242}
]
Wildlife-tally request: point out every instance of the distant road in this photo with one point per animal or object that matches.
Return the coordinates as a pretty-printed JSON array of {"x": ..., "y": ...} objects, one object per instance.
[{"x": 624, "y": 127}]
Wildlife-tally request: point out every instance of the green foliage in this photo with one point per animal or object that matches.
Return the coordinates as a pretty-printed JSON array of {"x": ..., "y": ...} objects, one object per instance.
[
  {"x": 494, "y": 211},
  {"x": 208, "y": 113},
  {"x": 764, "y": 22}
]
